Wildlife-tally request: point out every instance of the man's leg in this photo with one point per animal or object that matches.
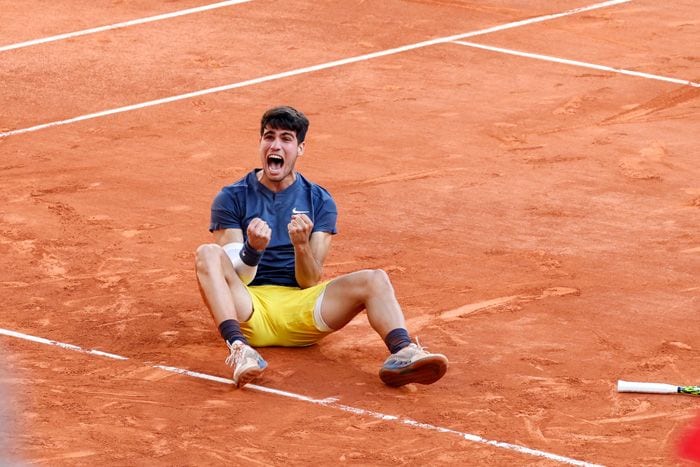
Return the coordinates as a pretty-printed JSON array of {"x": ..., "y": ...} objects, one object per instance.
[
  {"x": 229, "y": 303},
  {"x": 371, "y": 290},
  {"x": 222, "y": 290}
]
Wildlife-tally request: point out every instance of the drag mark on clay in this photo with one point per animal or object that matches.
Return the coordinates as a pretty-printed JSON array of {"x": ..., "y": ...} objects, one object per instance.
[
  {"x": 677, "y": 415},
  {"x": 418, "y": 322},
  {"x": 643, "y": 112},
  {"x": 330, "y": 402},
  {"x": 400, "y": 177}
]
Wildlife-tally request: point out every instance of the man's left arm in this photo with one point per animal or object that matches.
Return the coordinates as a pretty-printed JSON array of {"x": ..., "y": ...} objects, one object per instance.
[{"x": 310, "y": 250}]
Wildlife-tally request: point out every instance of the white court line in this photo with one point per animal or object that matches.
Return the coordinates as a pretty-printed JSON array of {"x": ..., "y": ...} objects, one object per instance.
[
  {"x": 550, "y": 58},
  {"x": 330, "y": 402},
  {"x": 310, "y": 69},
  {"x": 124, "y": 24}
]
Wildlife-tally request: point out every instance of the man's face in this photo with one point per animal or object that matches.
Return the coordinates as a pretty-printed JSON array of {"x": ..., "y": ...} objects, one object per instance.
[{"x": 279, "y": 150}]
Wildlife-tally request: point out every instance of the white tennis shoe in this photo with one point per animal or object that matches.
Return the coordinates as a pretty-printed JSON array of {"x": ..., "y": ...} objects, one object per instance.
[
  {"x": 413, "y": 364},
  {"x": 246, "y": 362}
]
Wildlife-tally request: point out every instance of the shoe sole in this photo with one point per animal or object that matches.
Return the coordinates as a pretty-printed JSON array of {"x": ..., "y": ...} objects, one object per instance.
[
  {"x": 248, "y": 376},
  {"x": 424, "y": 371}
]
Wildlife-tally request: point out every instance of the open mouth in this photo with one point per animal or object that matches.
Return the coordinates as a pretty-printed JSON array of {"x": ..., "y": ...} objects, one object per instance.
[{"x": 275, "y": 163}]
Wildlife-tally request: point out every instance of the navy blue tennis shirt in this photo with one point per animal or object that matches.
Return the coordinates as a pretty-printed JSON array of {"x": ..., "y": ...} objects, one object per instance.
[{"x": 239, "y": 203}]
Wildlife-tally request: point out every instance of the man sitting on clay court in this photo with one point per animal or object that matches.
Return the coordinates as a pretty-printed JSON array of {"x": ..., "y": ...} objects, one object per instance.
[{"x": 261, "y": 280}]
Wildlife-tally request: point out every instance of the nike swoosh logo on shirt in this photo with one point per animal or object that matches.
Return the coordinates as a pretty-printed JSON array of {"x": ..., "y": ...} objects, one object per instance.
[{"x": 294, "y": 211}]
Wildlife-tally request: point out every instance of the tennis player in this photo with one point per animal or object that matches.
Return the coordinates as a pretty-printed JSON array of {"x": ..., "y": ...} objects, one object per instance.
[{"x": 262, "y": 277}]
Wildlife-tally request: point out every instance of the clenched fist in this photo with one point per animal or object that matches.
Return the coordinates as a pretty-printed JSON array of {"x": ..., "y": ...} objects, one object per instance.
[
  {"x": 299, "y": 229},
  {"x": 259, "y": 234}
]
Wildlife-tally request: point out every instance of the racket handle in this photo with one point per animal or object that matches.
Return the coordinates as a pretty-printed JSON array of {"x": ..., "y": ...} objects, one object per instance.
[{"x": 655, "y": 388}]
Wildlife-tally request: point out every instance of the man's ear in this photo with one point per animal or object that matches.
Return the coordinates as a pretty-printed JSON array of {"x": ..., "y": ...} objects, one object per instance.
[{"x": 300, "y": 148}]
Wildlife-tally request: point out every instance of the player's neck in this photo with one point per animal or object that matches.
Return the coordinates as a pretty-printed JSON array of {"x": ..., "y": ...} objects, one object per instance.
[{"x": 277, "y": 186}]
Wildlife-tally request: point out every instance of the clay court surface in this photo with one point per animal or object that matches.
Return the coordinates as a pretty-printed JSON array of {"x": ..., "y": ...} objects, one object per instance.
[{"x": 539, "y": 221}]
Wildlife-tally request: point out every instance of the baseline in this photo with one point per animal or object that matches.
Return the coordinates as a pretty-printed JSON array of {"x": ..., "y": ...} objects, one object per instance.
[
  {"x": 124, "y": 24},
  {"x": 330, "y": 402},
  {"x": 313, "y": 68}
]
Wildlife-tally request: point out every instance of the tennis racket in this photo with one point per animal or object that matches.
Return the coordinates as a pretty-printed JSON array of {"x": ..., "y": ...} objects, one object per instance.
[{"x": 656, "y": 388}]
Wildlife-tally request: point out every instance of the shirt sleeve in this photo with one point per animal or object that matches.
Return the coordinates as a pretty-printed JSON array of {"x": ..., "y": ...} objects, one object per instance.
[
  {"x": 326, "y": 213},
  {"x": 225, "y": 212}
]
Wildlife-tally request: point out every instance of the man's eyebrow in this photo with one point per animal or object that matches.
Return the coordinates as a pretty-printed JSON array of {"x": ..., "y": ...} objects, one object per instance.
[{"x": 282, "y": 132}]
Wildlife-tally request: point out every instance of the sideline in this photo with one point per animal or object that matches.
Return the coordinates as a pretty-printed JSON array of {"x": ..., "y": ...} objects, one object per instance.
[
  {"x": 310, "y": 69},
  {"x": 565, "y": 61},
  {"x": 124, "y": 24},
  {"x": 330, "y": 402}
]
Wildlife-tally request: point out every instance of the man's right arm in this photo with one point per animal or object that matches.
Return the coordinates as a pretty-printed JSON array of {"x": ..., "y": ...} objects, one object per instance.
[
  {"x": 224, "y": 236},
  {"x": 245, "y": 255},
  {"x": 231, "y": 240}
]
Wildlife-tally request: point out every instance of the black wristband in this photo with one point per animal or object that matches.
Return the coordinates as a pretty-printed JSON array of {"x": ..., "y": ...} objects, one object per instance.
[{"x": 250, "y": 255}]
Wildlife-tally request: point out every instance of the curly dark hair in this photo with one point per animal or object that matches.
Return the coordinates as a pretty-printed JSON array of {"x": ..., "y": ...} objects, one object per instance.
[{"x": 285, "y": 118}]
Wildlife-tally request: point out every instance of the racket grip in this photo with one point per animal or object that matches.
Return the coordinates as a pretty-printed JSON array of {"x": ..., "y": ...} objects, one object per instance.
[{"x": 655, "y": 388}]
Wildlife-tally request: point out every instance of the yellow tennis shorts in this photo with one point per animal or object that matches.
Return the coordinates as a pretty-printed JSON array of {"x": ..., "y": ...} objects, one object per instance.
[{"x": 283, "y": 316}]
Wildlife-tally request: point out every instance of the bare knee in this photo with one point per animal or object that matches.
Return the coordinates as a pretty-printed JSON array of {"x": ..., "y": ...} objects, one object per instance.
[
  {"x": 208, "y": 258},
  {"x": 377, "y": 282}
]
